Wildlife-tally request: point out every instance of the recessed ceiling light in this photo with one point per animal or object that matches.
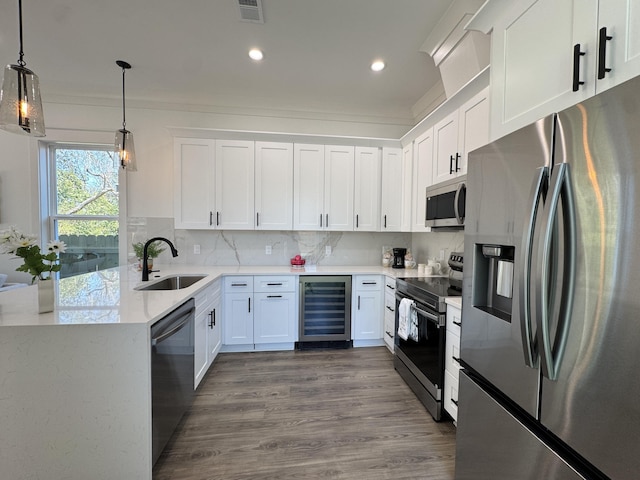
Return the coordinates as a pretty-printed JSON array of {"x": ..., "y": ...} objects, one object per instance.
[
  {"x": 377, "y": 65},
  {"x": 256, "y": 54}
]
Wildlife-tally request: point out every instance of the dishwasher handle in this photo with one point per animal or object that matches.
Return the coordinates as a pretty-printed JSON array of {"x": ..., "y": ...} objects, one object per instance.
[{"x": 177, "y": 324}]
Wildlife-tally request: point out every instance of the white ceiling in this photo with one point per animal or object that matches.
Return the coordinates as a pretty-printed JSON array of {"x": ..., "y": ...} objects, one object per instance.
[{"x": 317, "y": 52}]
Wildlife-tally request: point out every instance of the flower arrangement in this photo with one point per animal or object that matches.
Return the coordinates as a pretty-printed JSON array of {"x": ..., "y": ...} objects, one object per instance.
[{"x": 39, "y": 265}]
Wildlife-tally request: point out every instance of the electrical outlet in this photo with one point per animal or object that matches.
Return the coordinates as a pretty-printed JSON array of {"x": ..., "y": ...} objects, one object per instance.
[
  {"x": 267, "y": 250},
  {"x": 196, "y": 249},
  {"x": 442, "y": 254},
  {"x": 327, "y": 250}
]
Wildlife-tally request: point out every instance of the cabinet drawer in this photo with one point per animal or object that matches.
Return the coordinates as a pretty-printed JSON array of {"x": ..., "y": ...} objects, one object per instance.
[
  {"x": 284, "y": 283},
  {"x": 238, "y": 284},
  {"x": 390, "y": 285},
  {"x": 452, "y": 355},
  {"x": 389, "y": 327},
  {"x": 368, "y": 282},
  {"x": 454, "y": 320},
  {"x": 451, "y": 395}
]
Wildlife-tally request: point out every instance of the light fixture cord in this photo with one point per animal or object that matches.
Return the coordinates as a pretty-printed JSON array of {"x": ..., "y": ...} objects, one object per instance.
[
  {"x": 21, "y": 62},
  {"x": 124, "y": 123}
]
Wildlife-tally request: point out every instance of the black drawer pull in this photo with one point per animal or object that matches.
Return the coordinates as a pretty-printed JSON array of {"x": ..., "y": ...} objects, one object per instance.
[
  {"x": 459, "y": 324},
  {"x": 390, "y": 309},
  {"x": 274, "y": 284},
  {"x": 456, "y": 359},
  {"x": 274, "y": 296},
  {"x": 238, "y": 284},
  {"x": 389, "y": 334},
  {"x": 369, "y": 283},
  {"x": 455, "y": 402},
  {"x": 451, "y": 165},
  {"x": 392, "y": 288}
]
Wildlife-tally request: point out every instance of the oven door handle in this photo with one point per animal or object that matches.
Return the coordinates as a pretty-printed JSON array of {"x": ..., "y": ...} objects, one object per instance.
[{"x": 429, "y": 315}]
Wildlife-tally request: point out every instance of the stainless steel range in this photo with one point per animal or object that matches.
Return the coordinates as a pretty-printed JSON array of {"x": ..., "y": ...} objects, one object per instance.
[{"x": 420, "y": 332}]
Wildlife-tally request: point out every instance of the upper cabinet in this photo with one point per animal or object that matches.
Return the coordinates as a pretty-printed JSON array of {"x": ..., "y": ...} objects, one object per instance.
[
  {"x": 392, "y": 192},
  {"x": 274, "y": 186},
  {"x": 457, "y": 134},
  {"x": 423, "y": 169},
  {"x": 323, "y": 187},
  {"x": 549, "y": 55},
  {"x": 194, "y": 183},
  {"x": 234, "y": 184},
  {"x": 366, "y": 205}
]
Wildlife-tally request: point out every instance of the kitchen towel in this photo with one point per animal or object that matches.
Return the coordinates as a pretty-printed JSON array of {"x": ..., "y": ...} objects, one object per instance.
[
  {"x": 404, "y": 313},
  {"x": 413, "y": 325}
]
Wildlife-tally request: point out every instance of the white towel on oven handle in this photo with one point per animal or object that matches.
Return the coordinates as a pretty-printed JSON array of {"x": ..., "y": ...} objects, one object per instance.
[
  {"x": 413, "y": 325},
  {"x": 404, "y": 313}
]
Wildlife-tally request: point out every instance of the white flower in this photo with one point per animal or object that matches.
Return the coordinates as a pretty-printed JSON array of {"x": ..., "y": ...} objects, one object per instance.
[{"x": 56, "y": 246}]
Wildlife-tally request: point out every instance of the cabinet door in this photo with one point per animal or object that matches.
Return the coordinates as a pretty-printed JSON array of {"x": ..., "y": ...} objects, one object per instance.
[
  {"x": 274, "y": 186},
  {"x": 621, "y": 18},
  {"x": 339, "y": 165},
  {"x": 532, "y": 60},
  {"x": 473, "y": 127},
  {"x": 238, "y": 319},
  {"x": 308, "y": 187},
  {"x": 200, "y": 346},
  {"x": 275, "y": 317},
  {"x": 445, "y": 138},
  {"x": 367, "y": 308},
  {"x": 367, "y": 189},
  {"x": 422, "y": 178},
  {"x": 193, "y": 181},
  {"x": 407, "y": 182},
  {"x": 234, "y": 185},
  {"x": 391, "y": 190},
  {"x": 214, "y": 325}
]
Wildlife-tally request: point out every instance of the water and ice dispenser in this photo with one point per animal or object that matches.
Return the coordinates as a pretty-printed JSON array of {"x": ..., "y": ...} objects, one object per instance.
[{"x": 493, "y": 280}]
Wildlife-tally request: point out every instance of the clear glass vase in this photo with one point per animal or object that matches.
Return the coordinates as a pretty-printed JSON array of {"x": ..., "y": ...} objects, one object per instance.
[{"x": 45, "y": 296}]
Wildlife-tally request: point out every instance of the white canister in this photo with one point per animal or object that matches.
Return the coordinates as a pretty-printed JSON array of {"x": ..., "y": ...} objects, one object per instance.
[{"x": 422, "y": 269}]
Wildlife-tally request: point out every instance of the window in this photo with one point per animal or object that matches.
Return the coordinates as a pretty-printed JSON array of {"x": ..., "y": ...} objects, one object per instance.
[{"x": 84, "y": 206}]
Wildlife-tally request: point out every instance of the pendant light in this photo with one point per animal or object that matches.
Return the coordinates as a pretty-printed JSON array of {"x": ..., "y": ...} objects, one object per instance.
[
  {"x": 124, "y": 138},
  {"x": 20, "y": 102}
]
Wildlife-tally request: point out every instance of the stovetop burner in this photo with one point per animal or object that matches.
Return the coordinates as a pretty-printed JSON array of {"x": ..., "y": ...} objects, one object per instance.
[{"x": 438, "y": 286}]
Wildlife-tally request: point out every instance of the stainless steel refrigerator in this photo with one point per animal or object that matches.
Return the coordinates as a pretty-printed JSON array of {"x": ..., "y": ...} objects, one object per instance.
[{"x": 550, "y": 341}]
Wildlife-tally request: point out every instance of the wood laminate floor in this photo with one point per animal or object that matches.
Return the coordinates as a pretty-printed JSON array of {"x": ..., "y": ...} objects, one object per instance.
[{"x": 329, "y": 414}]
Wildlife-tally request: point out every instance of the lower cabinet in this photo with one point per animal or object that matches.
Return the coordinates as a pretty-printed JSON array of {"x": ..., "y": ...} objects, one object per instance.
[
  {"x": 207, "y": 330},
  {"x": 452, "y": 361},
  {"x": 260, "y": 313},
  {"x": 366, "y": 310},
  {"x": 389, "y": 312}
]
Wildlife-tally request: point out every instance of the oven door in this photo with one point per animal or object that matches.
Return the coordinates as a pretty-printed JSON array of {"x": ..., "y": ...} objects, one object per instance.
[{"x": 425, "y": 356}]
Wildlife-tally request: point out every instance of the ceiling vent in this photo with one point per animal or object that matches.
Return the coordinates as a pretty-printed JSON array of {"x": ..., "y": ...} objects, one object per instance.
[{"x": 251, "y": 11}]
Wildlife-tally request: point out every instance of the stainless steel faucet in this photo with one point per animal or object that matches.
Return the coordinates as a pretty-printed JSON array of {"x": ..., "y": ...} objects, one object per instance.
[{"x": 145, "y": 256}]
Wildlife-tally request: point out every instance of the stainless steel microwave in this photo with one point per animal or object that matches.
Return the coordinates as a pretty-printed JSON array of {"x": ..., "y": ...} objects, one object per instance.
[{"x": 446, "y": 204}]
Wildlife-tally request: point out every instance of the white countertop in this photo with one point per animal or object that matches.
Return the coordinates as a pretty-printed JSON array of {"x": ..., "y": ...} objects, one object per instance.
[
  {"x": 454, "y": 301},
  {"x": 109, "y": 297}
]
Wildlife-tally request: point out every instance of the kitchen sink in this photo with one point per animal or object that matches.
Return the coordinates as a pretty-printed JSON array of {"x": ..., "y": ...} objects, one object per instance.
[{"x": 173, "y": 282}]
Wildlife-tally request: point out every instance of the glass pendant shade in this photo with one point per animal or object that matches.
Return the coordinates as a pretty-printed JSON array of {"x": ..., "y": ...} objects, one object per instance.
[
  {"x": 20, "y": 102},
  {"x": 126, "y": 150}
]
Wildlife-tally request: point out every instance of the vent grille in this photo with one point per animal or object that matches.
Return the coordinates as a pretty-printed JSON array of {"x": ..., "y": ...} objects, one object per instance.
[{"x": 251, "y": 11}]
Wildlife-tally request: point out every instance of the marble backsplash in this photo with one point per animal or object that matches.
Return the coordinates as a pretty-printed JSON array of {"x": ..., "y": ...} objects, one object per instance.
[{"x": 235, "y": 247}]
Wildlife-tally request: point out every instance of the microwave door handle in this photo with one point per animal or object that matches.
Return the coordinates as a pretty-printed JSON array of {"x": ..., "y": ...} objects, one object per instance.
[
  {"x": 456, "y": 201},
  {"x": 538, "y": 191},
  {"x": 561, "y": 189}
]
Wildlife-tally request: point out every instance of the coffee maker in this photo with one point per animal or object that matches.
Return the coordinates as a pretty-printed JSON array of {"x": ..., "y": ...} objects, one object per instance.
[{"x": 398, "y": 257}]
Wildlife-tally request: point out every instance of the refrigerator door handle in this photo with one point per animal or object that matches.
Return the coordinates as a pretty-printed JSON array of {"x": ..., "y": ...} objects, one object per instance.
[
  {"x": 529, "y": 345},
  {"x": 561, "y": 191}
]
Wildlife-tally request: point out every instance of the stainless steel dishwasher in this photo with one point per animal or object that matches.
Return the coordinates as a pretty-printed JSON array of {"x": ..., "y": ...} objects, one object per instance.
[{"x": 172, "y": 363}]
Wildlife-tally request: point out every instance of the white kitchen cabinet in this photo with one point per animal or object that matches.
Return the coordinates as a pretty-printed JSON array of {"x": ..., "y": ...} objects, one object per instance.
[
  {"x": 456, "y": 135},
  {"x": 407, "y": 185},
  {"x": 389, "y": 312},
  {"x": 206, "y": 330},
  {"x": 238, "y": 310},
  {"x": 367, "y": 186},
  {"x": 194, "y": 183},
  {"x": 533, "y": 51},
  {"x": 423, "y": 169},
  {"x": 452, "y": 360},
  {"x": 273, "y": 186},
  {"x": 235, "y": 170},
  {"x": 367, "y": 310},
  {"x": 323, "y": 187},
  {"x": 392, "y": 192}
]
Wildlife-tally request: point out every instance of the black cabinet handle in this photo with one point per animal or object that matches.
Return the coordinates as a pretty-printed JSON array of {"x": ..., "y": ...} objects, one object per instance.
[
  {"x": 455, "y": 402},
  {"x": 457, "y": 323},
  {"x": 358, "y": 302},
  {"x": 390, "y": 309},
  {"x": 257, "y": 219},
  {"x": 602, "y": 53},
  {"x": 451, "y": 165},
  {"x": 320, "y": 220},
  {"x": 326, "y": 223},
  {"x": 457, "y": 158},
  {"x": 249, "y": 304},
  {"x": 385, "y": 221},
  {"x": 577, "y": 53},
  {"x": 217, "y": 218},
  {"x": 369, "y": 283},
  {"x": 389, "y": 334},
  {"x": 274, "y": 284},
  {"x": 456, "y": 359},
  {"x": 274, "y": 296},
  {"x": 210, "y": 218},
  {"x": 238, "y": 284},
  {"x": 212, "y": 315},
  {"x": 357, "y": 220},
  {"x": 392, "y": 288}
]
